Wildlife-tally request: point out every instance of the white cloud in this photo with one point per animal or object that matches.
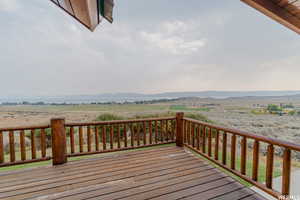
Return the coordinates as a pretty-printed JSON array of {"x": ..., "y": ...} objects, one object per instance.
[
  {"x": 171, "y": 27},
  {"x": 200, "y": 51},
  {"x": 171, "y": 37},
  {"x": 8, "y": 5}
]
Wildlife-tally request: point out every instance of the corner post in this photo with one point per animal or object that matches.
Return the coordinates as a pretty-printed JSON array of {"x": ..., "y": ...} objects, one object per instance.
[
  {"x": 59, "y": 145},
  {"x": 179, "y": 129}
]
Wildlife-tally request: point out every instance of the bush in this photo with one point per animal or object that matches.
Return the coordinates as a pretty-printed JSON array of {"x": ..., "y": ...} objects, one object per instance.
[
  {"x": 108, "y": 117},
  {"x": 274, "y": 108},
  {"x": 199, "y": 117},
  {"x": 293, "y": 112},
  {"x": 154, "y": 115}
]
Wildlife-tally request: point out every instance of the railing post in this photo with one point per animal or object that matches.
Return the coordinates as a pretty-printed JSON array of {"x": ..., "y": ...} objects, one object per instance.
[
  {"x": 286, "y": 176},
  {"x": 59, "y": 145},
  {"x": 179, "y": 129}
]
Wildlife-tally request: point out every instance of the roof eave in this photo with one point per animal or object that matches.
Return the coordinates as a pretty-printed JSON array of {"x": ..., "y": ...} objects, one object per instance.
[{"x": 276, "y": 12}]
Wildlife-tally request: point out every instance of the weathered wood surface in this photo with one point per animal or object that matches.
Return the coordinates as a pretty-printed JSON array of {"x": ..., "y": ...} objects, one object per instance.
[
  {"x": 159, "y": 173},
  {"x": 247, "y": 139}
]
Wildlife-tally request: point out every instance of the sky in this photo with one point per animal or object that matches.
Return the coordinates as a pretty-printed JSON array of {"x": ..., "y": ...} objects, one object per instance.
[{"x": 152, "y": 46}]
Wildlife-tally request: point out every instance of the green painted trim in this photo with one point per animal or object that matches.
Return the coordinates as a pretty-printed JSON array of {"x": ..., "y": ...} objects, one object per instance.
[{"x": 101, "y": 7}]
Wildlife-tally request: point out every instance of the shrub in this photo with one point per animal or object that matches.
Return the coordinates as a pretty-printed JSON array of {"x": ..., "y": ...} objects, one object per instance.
[
  {"x": 154, "y": 115},
  {"x": 293, "y": 112},
  {"x": 108, "y": 117},
  {"x": 274, "y": 108},
  {"x": 199, "y": 117}
]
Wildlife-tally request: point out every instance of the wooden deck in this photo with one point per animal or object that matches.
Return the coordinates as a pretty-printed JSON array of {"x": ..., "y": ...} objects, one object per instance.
[{"x": 160, "y": 173}]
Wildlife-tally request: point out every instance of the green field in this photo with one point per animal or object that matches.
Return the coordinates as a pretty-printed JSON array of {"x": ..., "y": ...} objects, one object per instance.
[{"x": 185, "y": 108}]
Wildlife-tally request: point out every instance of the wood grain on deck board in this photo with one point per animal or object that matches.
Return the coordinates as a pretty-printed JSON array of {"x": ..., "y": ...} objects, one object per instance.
[{"x": 162, "y": 173}]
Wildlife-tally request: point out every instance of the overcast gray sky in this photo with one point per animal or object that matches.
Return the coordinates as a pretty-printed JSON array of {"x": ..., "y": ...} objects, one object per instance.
[{"x": 152, "y": 46}]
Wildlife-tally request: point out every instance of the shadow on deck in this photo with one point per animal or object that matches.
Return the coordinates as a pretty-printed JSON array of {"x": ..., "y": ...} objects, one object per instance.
[{"x": 160, "y": 173}]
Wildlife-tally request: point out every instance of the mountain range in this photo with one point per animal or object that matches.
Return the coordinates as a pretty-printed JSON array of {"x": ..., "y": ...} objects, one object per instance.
[{"x": 122, "y": 97}]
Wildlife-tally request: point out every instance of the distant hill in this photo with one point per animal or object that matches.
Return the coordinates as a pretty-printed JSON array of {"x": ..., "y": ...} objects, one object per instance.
[{"x": 122, "y": 97}]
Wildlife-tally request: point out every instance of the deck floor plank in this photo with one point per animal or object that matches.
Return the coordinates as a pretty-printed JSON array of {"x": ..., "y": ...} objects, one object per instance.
[
  {"x": 160, "y": 173},
  {"x": 91, "y": 170},
  {"x": 135, "y": 182},
  {"x": 46, "y": 171}
]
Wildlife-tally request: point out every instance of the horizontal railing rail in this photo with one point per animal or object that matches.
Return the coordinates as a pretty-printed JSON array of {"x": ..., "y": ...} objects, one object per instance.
[
  {"x": 23, "y": 128},
  {"x": 118, "y": 121},
  {"x": 222, "y": 145},
  {"x": 22, "y": 145}
]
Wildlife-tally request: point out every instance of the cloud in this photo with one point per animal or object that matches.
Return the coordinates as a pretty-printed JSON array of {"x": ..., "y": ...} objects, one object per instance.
[
  {"x": 170, "y": 37},
  {"x": 9, "y": 5},
  {"x": 207, "y": 47}
]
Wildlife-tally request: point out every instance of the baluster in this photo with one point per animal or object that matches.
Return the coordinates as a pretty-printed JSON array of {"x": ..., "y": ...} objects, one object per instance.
[
  {"x": 89, "y": 139},
  {"x": 198, "y": 137},
  {"x": 97, "y": 138},
  {"x": 23, "y": 145},
  {"x": 286, "y": 172},
  {"x": 12, "y": 146},
  {"x": 255, "y": 160},
  {"x": 224, "y": 149},
  {"x": 72, "y": 140},
  {"x": 150, "y": 132},
  {"x": 111, "y": 137},
  {"x": 204, "y": 139},
  {"x": 144, "y": 131},
  {"x": 170, "y": 127},
  {"x": 118, "y": 136},
  {"x": 138, "y": 133},
  {"x": 184, "y": 131},
  {"x": 168, "y": 131},
  {"x": 125, "y": 135},
  {"x": 43, "y": 143},
  {"x": 188, "y": 132},
  {"x": 162, "y": 131},
  {"x": 80, "y": 139},
  {"x": 132, "y": 134},
  {"x": 269, "y": 169},
  {"x": 217, "y": 145},
  {"x": 173, "y": 130},
  {"x": 243, "y": 155},
  {"x": 209, "y": 142},
  {"x": 104, "y": 137},
  {"x": 193, "y": 134},
  {"x": 156, "y": 132},
  {"x": 1, "y": 148},
  {"x": 233, "y": 151},
  {"x": 33, "y": 147}
]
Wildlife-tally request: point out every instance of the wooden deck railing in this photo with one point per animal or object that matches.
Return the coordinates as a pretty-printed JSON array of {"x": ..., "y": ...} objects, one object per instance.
[
  {"x": 19, "y": 154},
  {"x": 60, "y": 140},
  {"x": 222, "y": 145},
  {"x": 228, "y": 148},
  {"x": 108, "y": 136}
]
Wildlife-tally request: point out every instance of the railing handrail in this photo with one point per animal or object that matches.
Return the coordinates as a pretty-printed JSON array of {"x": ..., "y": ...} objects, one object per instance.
[
  {"x": 117, "y": 121},
  {"x": 45, "y": 126},
  {"x": 277, "y": 142},
  {"x": 22, "y": 128}
]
